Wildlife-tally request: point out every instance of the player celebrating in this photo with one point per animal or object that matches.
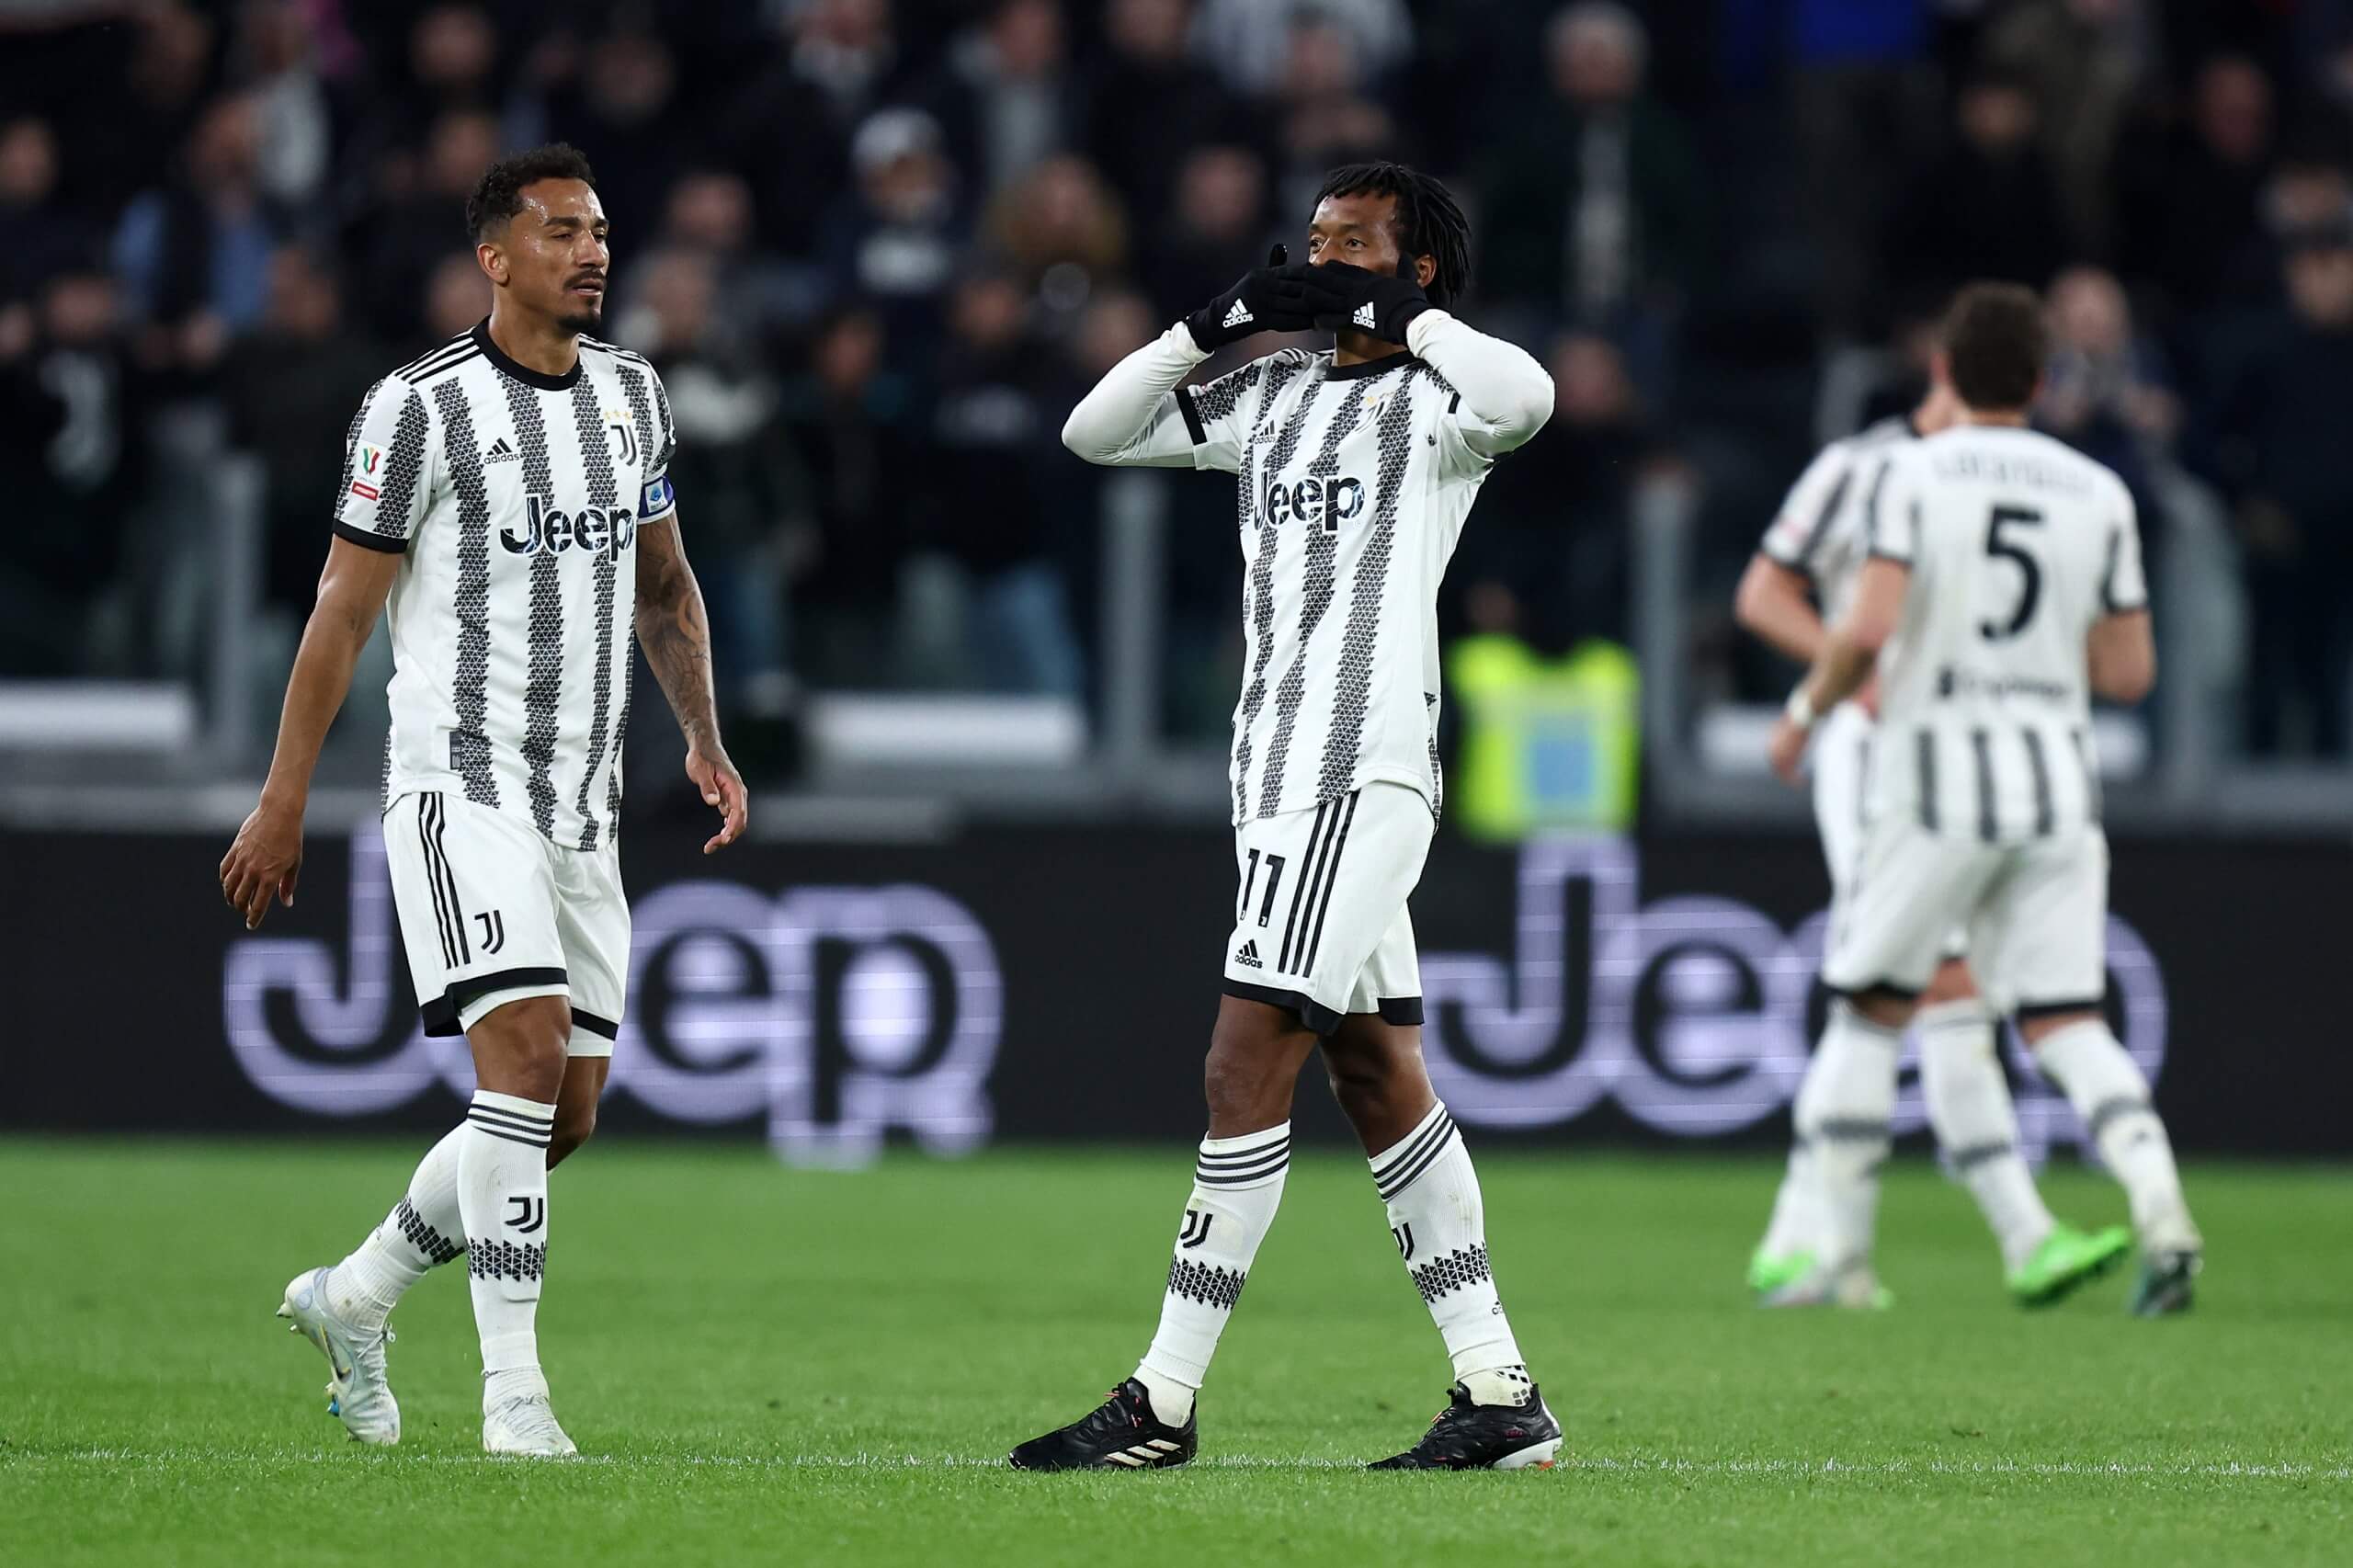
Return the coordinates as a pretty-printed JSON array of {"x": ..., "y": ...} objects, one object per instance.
[
  {"x": 1357, "y": 467},
  {"x": 508, "y": 493},
  {"x": 1817, "y": 545},
  {"x": 2002, "y": 591}
]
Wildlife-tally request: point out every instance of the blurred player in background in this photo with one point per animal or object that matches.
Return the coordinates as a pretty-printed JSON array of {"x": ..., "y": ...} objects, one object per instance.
[
  {"x": 510, "y": 493},
  {"x": 1812, "y": 555},
  {"x": 2002, "y": 590},
  {"x": 1357, "y": 467}
]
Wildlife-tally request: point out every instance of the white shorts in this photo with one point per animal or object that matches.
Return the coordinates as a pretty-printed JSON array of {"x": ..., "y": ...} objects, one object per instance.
[
  {"x": 492, "y": 913},
  {"x": 1320, "y": 927},
  {"x": 2036, "y": 916},
  {"x": 1841, "y": 765}
]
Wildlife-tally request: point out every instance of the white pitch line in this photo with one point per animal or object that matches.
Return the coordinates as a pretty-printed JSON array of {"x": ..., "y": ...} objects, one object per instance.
[{"x": 1596, "y": 1464}]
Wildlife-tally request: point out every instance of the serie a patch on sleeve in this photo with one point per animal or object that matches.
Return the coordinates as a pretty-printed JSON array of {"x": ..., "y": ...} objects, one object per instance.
[{"x": 658, "y": 498}]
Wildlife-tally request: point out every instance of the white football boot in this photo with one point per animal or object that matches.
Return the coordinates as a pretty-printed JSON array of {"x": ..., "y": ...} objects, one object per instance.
[
  {"x": 526, "y": 1427},
  {"x": 359, "y": 1391}
]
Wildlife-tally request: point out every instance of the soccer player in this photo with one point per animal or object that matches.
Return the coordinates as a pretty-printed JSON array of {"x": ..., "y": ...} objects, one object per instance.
[
  {"x": 508, "y": 493},
  {"x": 1812, "y": 554},
  {"x": 2001, "y": 591},
  {"x": 1357, "y": 467}
]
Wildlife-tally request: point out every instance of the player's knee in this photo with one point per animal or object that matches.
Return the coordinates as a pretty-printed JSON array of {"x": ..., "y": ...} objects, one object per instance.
[
  {"x": 523, "y": 1045},
  {"x": 1952, "y": 982},
  {"x": 1236, "y": 1077}
]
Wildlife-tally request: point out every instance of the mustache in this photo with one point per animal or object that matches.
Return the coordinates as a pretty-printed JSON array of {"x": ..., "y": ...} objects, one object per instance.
[{"x": 579, "y": 277}]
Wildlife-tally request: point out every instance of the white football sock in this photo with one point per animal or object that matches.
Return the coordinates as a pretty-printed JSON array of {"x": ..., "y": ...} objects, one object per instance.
[
  {"x": 1439, "y": 1222},
  {"x": 422, "y": 1231},
  {"x": 1237, "y": 1186},
  {"x": 502, "y": 1193},
  {"x": 2108, "y": 1090},
  {"x": 1969, "y": 1105},
  {"x": 1843, "y": 1112},
  {"x": 1797, "y": 1208}
]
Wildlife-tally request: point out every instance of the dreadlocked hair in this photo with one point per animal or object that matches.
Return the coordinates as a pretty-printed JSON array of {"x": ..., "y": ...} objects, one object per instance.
[{"x": 1430, "y": 221}]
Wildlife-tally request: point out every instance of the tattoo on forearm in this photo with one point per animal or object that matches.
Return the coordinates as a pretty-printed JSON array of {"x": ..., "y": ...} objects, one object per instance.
[{"x": 675, "y": 630}]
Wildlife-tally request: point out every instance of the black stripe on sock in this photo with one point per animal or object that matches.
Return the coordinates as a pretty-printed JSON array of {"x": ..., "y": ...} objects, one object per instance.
[
  {"x": 2110, "y": 1110},
  {"x": 522, "y": 1121},
  {"x": 511, "y": 1138},
  {"x": 1413, "y": 1174},
  {"x": 1242, "y": 1177},
  {"x": 1981, "y": 1154},
  {"x": 1246, "y": 1156},
  {"x": 1429, "y": 1139},
  {"x": 1851, "y": 1129}
]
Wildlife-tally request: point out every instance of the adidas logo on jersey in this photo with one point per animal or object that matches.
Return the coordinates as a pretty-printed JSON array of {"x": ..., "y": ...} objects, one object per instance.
[
  {"x": 1239, "y": 315},
  {"x": 499, "y": 453},
  {"x": 1248, "y": 957},
  {"x": 1364, "y": 316}
]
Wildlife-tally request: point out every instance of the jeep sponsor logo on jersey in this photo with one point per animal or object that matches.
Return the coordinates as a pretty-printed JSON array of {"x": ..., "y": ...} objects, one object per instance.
[
  {"x": 1325, "y": 503},
  {"x": 548, "y": 528}
]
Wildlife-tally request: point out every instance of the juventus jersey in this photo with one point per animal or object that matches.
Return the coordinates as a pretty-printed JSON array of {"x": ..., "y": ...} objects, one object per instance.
[
  {"x": 514, "y": 498},
  {"x": 1353, "y": 485},
  {"x": 2017, "y": 545},
  {"x": 1820, "y": 529}
]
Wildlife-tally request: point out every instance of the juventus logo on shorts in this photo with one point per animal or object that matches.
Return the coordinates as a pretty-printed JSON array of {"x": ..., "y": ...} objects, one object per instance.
[
  {"x": 493, "y": 929},
  {"x": 531, "y": 1213},
  {"x": 1196, "y": 1227},
  {"x": 1404, "y": 1236}
]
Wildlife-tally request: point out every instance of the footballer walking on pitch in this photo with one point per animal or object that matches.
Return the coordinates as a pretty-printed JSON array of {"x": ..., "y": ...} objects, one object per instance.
[
  {"x": 2001, "y": 591},
  {"x": 1818, "y": 543},
  {"x": 1355, "y": 467},
  {"x": 507, "y": 495}
]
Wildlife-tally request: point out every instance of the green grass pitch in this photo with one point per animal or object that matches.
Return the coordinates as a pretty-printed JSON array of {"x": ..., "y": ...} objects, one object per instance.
[{"x": 769, "y": 1366}]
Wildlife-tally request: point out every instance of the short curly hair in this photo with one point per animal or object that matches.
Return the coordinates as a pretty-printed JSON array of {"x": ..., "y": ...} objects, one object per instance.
[
  {"x": 1429, "y": 222},
  {"x": 498, "y": 195}
]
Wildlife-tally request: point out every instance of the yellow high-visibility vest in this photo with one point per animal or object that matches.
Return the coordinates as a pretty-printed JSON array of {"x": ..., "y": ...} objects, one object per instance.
[{"x": 1546, "y": 743}]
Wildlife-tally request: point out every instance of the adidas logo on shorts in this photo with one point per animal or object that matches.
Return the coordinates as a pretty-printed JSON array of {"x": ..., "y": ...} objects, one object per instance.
[
  {"x": 1364, "y": 316},
  {"x": 1248, "y": 956},
  {"x": 499, "y": 453},
  {"x": 1239, "y": 315}
]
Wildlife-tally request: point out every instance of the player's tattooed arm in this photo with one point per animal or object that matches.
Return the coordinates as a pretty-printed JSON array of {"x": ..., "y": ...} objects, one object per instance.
[{"x": 674, "y": 628}]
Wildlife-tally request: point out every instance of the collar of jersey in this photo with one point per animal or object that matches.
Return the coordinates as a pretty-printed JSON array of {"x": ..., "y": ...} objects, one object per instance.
[
  {"x": 1362, "y": 369},
  {"x": 523, "y": 373}
]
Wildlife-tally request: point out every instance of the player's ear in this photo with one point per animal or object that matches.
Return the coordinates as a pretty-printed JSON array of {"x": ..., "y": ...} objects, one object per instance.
[
  {"x": 1424, "y": 271},
  {"x": 492, "y": 261}
]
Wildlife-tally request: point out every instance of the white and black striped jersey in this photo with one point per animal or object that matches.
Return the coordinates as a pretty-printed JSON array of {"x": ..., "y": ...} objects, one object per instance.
[
  {"x": 514, "y": 498},
  {"x": 1354, "y": 483},
  {"x": 2017, "y": 545},
  {"x": 1819, "y": 531}
]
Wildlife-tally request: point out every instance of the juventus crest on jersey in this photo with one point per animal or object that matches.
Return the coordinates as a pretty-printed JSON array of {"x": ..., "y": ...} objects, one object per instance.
[
  {"x": 2017, "y": 544},
  {"x": 516, "y": 498},
  {"x": 1354, "y": 483}
]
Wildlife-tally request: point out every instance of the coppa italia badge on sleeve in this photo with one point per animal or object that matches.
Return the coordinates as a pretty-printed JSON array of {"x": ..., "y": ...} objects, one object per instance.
[{"x": 368, "y": 468}]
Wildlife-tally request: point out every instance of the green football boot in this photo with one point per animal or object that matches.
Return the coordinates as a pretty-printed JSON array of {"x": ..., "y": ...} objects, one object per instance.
[
  {"x": 1768, "y": 1272},
  {"x": 2066, "y": 1260}
]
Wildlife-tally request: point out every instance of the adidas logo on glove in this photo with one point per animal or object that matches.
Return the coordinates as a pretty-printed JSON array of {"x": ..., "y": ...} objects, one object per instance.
[
  {"x": 1239, "y": 315},
  {"x": 1364, "y": 317}
]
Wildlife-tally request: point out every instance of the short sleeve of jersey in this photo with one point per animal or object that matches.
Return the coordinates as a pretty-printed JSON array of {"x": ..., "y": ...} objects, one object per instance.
[
  {"x": 388, "y": 469},
  {"x": 1891, "y": 511},
  {"x": 1809, "y": 509},
  {"x": 1219, "y": 414},
  {"x": 659, "y": 501},
  {"x": 2123, "y": 587}
]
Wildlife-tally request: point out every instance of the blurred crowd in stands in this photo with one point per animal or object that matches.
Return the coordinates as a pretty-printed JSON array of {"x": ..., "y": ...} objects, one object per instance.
[{"x": 878, "y": 247}]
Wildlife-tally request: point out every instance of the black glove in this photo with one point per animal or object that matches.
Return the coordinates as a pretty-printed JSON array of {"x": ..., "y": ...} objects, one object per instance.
[
  {"x": 1274, "y": 298},
  {"x": 1381, "y": 304}
]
